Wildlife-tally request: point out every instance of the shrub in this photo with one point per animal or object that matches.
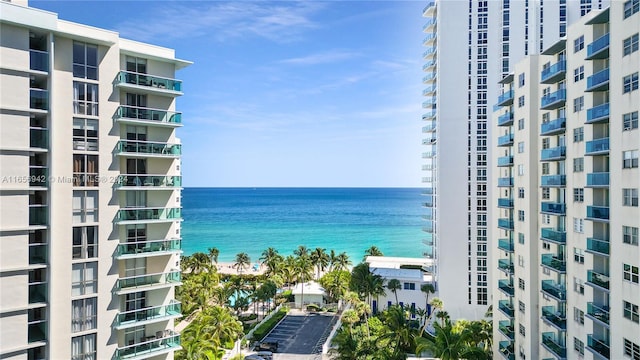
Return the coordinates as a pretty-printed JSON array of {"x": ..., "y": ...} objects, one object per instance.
[{"x": 266, "y": 326}]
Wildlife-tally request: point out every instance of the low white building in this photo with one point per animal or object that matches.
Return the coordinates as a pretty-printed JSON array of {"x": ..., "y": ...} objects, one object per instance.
[{"x": 312, "y": 293}]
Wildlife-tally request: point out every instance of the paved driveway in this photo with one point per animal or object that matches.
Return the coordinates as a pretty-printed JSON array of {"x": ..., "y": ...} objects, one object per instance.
[{"x": 301, "y": 336}]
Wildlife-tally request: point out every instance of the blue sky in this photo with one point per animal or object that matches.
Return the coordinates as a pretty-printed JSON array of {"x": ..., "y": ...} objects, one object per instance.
[{"x": 284, "y": 93}]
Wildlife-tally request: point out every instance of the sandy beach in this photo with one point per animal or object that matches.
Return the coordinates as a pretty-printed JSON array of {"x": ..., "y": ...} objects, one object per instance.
[{"x": 228, "y": 268}]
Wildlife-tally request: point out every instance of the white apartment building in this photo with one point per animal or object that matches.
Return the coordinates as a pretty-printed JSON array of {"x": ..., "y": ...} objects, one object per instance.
[
  {"x": 89, "y": 191},
  {"x": 566, "y": 263},
  {"x": 470, "y": 46}
]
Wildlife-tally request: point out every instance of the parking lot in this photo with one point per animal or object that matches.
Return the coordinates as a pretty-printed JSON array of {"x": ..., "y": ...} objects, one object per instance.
[{"x": 300, "y": 336}]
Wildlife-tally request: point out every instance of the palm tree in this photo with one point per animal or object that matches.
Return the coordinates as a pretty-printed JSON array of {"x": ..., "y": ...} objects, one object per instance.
[
  {"x": 394, "y": 285},
  {"x": 449, "y": 343},
  {"x": 372, "y": 251},
  {"x": 332, "y": 260},
  {"x": 427, "y": 289},
  {"x": 342, "y": 261},
  {"x": 399, "y": 333},
  {"x": 271, "y": 258},
  {"x": 242, "y": 261},
  {"x": 301, "y": 251},
  {"x": 303, "y": 270},
  {"x": 213, "y": 254},
  {"x": 320, "y": 260}
]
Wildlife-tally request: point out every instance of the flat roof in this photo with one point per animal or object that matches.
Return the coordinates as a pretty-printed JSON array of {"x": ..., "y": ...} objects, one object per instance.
[
  {"x": 400, "y": 274},
  {"x": 395, "y": 262},
  {"x": 310, "y": 288}
]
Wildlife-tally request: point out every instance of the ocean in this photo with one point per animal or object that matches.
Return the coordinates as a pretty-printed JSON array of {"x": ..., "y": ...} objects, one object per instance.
[{"x": 250, "y": 220}]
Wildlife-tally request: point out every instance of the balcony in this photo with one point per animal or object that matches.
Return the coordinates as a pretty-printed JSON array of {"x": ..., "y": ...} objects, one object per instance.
[
  {"x": 163, "y": 342},
  {"x": 505, "y": 161},
  {"x": 147, "y": 248},
  {"x": 552, "y": 208},
  {"x": 598, "y": 247},
  {"x": 505, "y": 203},
  {"x": 505, "y": 182},
  {"x": 505, "y": 245},
  {"x": 506, "y": 328},
  {"x": 599, "y": 313},
  {"x": 598, "y": 114},
  {"x": 38, "y": 254},
  {"x": 148, "y": 116},
  {"x": 428, "y": 226},
  {"x": 39, "y": 60},
  {"x": 598, "y": 213},
  {"x": 598, "y": 81},
  {"x": 553, "y": 181},
  {"x": 431, "y": 6},
  {"x": 506, "y": 308},
  {"x": 429, "y": 39},
  {"x": 38, "y": 176},
  {"x": 429, "y": 23},
  {"x": 551, "y": 343},
  {"x": 595, "y": 180},
  {"x": 148, "y": 181},
  {"x": 38, "y": 138},
  {"x": 160, "y": 279},
  {"x": 506, "y": 350},
  {"x": 553, "y": 127},
  {"x": 599, "y": 49},
  {"x": 506, "y": 287},
  {"x": 505, "y": 99},
  {"x": 429, "y": 90},
  {"x": 505, "y": 140},
  {"x": 38, "y": 215},
  {"x": 554, "y": 317},
  {"x": 597, "y": 147},
  {"x": 505, "y": 224},
  {"x": 148, "y": 149},
  {"x": 554, "y": 73},
  {"x": 598, "y": 280},
  {"x": 38, "y": 292},
  {"x": 553, "y": 154},
  {"x": 155, "y": 313},
  {"x": 554, "y": 263},
  {"x": 428, "y": 154},
  {"x": 429, "y": 115},
  {"x": 157, "y": 84},
  {"x": 428, "y": 54},
  {"x": 148, "y": 215},
  {"x": 505, "y": 119},
  {"x": 554, "y": 289},
  {"x": 38, "y": 99},
  {"x": 599, "y": 347},
  {"x": 553, "y": 100},
  {"x": 429, "y": 103},
  {"x": 428, "y": 201},
  {"x": 506, "y": 266},
  {"x": 553, "y": 235}
]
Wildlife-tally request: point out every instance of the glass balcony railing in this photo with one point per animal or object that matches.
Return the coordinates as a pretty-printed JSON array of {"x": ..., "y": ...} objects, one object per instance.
[
  {"x": 505, "y": 119},
  {"x": 553, "y": 180},
  {"x": 505, "y": 245},
  {"x": 506, "y": 224},
  {"x": 38, "y": 176},
  {"x": 505, "y": 203},
  {"x": 506, "y": 265},
  {"x": 429, "y": 38},
  {"x": 598, "y": 81},
  {"x": 142, "y": 214},
  {"x": 38, "y": 60},
  {"x": 39, "y": 138},
  {"x": 555, "y": 290},
  {"x": 598, "y": 114},
  {"x": 506, "y": 328},
  {"x": 151, "y": 344},
  {"x": 599, "y": 49},
  {"x": 150, "y": 279},
  {"x": 506, "y": 307},
  {"x": 429, "y": 127},
  {"x": 597, "y": 279},
  {"x": 505, "y": 182},
  {"x": 138, "y": 180},
  {"x": 598, "y": 312},
  {"x": 505, "y": 140},
  {"x": 552, "y": 154},
  {"x": 506, "y": 286},
  {"x": 430, "y": 115},
  {"x": 554, "y": 317},
  {"x": 597, "y": 147},
  {"x": 551, "y": 343},
  {"x": 430, "y": 6},
  {"x": 598, "y": 179},
  {"x": 429, "y": 22},
  {"x": 428, "y": 201},
  {"x": 553, "y": 127},
  {"x": 428, "y": 154},
  {"x": 598, "y": 213},
  {"x": 553, "y": 100},
  {"x": 38, "y": 215},
  {"x": 598, "y": 346},
  {"x": 37, "y": 331},
  {"x": 598, "y": 246},
  {"x": 429, "y": 78},
  {"x": 506, "y": 350},
  {"x": 505, "y": 98},
  {"x": 553, "y": 262},
  {"x": 156, "y": 312},
  {"x": 148, "y": 114},
  {"x": 553, "y": 208},
  {"x": 146, "y": 80},
  {"x": 553, "y": 235},
  {"x": 427, "y": 54},
  {"x": 38, "y": 292},
  {"x": 38, "y": 99},
  {"x": 554, "y": 73},
  {"x": 38, "y": 254},
  {"x": 148, "y": 147},
  {"x": 505, "y": 161},
  {"x": 429, "y": 90},
  {"x": 428, "y": 226},
  {"x": 148, "y": 247}
]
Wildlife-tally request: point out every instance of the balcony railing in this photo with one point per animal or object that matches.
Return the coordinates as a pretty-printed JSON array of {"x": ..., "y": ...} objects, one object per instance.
[
  {"x": 38, "y": 292},
  {"x": 168, "y": 341},
  {"x": 150, "y": 81},
  {"x": 150, "y": 279},
  {"x": 506, "y": 350},
  {"x": 555, "y": 290},
  {"x": 554, "y": 317},
  {"x": 553, "y": 100},
  {"x": 598, "y": 346},
  {"x": 38, "y": 215},
  {"x": 598, "y": 312},
  {"x": 506, "y": 286},
  {"x": 554, "y": 73},
  {"x": 553, "y": 208},
  {"x": 148, "y": 147},
  {"x": 553, "y": 154},
  {"x": 430, "y": 115},
  {"x": 600, "y": 179},
  {"x": 505, "y": 245},
  {"x": 598, "y": 213},
  {"x": 429, "y": 90},
  {"x": 598, "y": 81},
  {"x": 598, "y": 114},
  {"x": 505, "y": 140},
  {"x": 552, "y": 235},
  {"x": 505, "y": 161},
  {"x": 505, "y": 182},
  {"x": 38, "y": 99},
  {"x": 39, "y": 138},
  {"x": 148, "y": 247},
  {"x": 506, "y": 265},
  {"x": 173, "y": 309},
  {"x": 597, "y": 279},
  {"x": 506, "y": 328},
  {"x": 38, "y": 60},
  {"x": 505, "y": 203},
  {"x": 554, "y": 263},
  {"x": 597, "y": 147},
  {"x": 38, "y": 176},
  {"x": 428, "y": 201},
  {"x": 143, "y": 214},
  {"x": 599, "y": 49},
  {"x": 550, "y": 342},
  {"x": 553, "y": 180},
  {"x": 506, "y": 307},
  {"x": 140, "y": 180},
  {"x": 506, "y": 224},
  {"x": 505, "y": 98},
  {"x": 428, "y": 54},
  {"x": 428, "y": 38},
  {"x": 149, "y": 114},
  {"x": 597, "y": 246},
  {"x": 553, "y": 127},
  {"x": 429, "y": 22},
  {"x": 505, "y": 119}
]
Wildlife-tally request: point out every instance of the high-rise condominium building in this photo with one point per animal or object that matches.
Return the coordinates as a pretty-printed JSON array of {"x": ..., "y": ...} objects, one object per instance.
[
  {"x": 470, "y": 46},
  {"x": 89, "y": 191},
  {"x": 566, "y": 164}
]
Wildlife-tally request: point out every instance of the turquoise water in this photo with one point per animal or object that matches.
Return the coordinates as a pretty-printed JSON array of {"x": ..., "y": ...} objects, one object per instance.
[{"x": 343, "y": 219}]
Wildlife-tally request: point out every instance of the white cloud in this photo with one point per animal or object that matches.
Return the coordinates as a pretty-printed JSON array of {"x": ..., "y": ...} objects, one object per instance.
[{"x": 321, "y": 58}]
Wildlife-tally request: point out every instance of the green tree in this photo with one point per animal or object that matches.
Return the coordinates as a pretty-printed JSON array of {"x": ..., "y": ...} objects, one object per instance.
[
  {"x": 336, "y": 283},
  {"x": 427, "y": 289},
  {"x": 320, "y": 260},
  {"x": 449, "y": 343},
  {"x": 342, "y": 261},
  {"x": 394, "y": 285},
  {"x": 272, "y": 259},
  {"x": 213, "y": 254},
  {"x": 301, "y": 251},
  {"x": 400, "y": 335},
  {"x": 242, "y": 261},
  {"x": 372, "y": 251},
  {"x": 303, "y": 271}
]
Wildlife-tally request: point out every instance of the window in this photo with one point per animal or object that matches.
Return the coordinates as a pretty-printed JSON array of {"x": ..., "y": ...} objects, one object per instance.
[
  {"x": 521, "y": 101},
  {"x": 630, "y": 159},
  {"x": 546, "y": 193},
  {"x": 578, "y": 255},
  {"x": 578, "y": 195},
  {"x": 578, "y": 316},
  {"x": 83, "y": 347},
  {"x": 578, "y": 286},
  {"x": 520, "y": 238},
  {"x": 578, "y": 134},
  {"x": 578, "y": 73},
  {"x": 85, "y": 61},
  {"x": 630, "y": 235},
  {"x": 521, "y": 330},
  {"x": 631, "y": 7},
  {"x": 521, "y": 193},
  {"x": 85, "y": 98},
  {"x": 578, "y": 225},
  {"x": 630, "y": 273},
  {"x": 578, "y": 44},
  {"x": 631, "y": 311},
  {"x": 578, "y": 104},
  {"x": 409, "y": 286},
  {"x": 136, "y": 65},
  {"x": 85, "y": 134},
  {"x": 520, "y": 260},
  {"x": 83, "y": 314},
  {"x": 84, "y": 278},
  {"x": 630, "y": 45},
  {"x": 630, "y": 197},
  {"x": 85, "y": 170},
  {"x": 85, "y": 206},
  {"x": 520, "y": 284},
  {"x": 521, "y": 306},
  {"x": 546, "y": 246},
  {"x": 546, "y": 219},
  {"x": 578, "y": 164},
  {"x": 520, "y": 215},
  {"x": 521, "y": 80},
  {"x": 578, "y": 346},
  {"x": 520, "y": 147},
  {"x": 520, "y": 124},
  {"x": 546, "y": 169},
  {"x": 85, "y": 242},
  {"x": 631, "y": 349},
  {"x": 630, "y": 121},
  {"x": 630, "y": 83},
  {"x": 520, "y": 169}
]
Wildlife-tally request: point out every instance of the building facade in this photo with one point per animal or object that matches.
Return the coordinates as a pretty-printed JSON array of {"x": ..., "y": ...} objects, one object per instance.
[
  {"x": 89, "y": 193},
  {"x": 567, "y": 280},
  {"x": 464, "y": 60}
]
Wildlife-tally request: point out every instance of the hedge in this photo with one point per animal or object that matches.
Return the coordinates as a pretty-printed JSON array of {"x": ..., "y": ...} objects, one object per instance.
[{"x": 266, "y": 326}]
